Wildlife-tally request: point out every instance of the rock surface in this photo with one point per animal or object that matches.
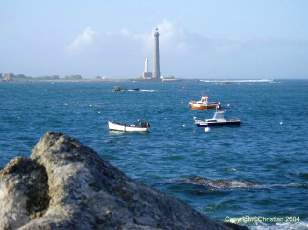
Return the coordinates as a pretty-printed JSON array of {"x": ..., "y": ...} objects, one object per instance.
[{"x": 65, "y": 185}]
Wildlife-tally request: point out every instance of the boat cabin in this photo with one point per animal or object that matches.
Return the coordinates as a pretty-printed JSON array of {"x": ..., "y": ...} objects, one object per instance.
[
  {"x": 143, "y": 124},
  {"x": 204, "y": 99},
  {"x": 218, "y": 116}
]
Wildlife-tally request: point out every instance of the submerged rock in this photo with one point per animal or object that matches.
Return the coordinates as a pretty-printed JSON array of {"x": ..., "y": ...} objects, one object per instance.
[
  {"x": 65, "y": 185},
  {"x": 219, "y": 184}
]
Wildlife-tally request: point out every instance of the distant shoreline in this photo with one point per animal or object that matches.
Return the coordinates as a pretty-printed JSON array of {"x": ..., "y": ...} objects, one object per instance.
[{"x": 234, "y": 80}]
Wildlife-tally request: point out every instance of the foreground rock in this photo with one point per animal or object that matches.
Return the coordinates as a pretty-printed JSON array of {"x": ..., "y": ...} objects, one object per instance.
[{"x": 66, "y": 185}]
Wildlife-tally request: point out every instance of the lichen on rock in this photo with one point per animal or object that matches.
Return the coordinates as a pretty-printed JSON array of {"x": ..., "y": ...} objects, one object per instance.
[{"x": 23, "y": 192}]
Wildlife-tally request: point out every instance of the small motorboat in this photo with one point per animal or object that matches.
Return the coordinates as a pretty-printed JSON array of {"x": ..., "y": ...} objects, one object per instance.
[
  {"x": 139, "y": 126},
  {"x": 203, "y": 104},
  {"x": 217, "y": 120},
  {"x": 134, "y": 90},
  {"x": 118, "y": 89},
  {"x": 121, "y": 89}
]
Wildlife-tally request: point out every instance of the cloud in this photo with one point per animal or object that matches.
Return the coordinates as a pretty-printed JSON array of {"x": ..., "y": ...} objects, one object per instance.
[
  {"x": 134, "y": 36},
  {"x": 171, "y": 33},
  {"x": 172, "y": 37},
  {"x": 183, "y": 53},
  {"x": 82, "y": 40}
]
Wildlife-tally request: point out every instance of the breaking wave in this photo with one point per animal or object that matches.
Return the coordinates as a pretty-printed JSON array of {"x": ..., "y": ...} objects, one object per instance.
[
  {"x": 148, "y": 90},
  {"x": 142, "y": 90},
  {"x": 301, "y": 225},
  {"x": 239, "y": 81}
]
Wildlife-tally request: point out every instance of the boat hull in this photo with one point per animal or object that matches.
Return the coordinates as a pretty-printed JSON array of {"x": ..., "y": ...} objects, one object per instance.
[
  {"x": 219, "y": 123},
  {"x": 197, "y": 106},
  {"x": 126, "y": 128}
]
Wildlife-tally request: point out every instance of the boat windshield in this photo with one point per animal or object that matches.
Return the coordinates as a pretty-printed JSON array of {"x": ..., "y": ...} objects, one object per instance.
[{"x": 218, "y": 115}]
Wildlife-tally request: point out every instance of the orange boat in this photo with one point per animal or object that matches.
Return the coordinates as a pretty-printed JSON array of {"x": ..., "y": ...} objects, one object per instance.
[{"x": 203, "y": 104}]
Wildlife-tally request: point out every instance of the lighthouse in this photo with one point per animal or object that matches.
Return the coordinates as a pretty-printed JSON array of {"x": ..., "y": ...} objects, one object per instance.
[
  {"x": 156, "y": 61},
  {"x": 146, "y": 65},
  {"x": 146, "y": 75}
]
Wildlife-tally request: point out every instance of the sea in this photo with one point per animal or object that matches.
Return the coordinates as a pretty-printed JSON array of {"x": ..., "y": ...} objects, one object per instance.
[{"x": 255, "y": 174}]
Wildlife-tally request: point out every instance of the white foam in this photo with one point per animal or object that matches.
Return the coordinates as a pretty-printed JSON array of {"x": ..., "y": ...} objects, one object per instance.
[
  {"x": 301, "y": 225},
  {"x": 148, "y": 90},
  {"x": 233, "y": 169},
  {"x": 207, "y": 129},
  {"x": 239, "y": 81},
  {"x": 239, "y": 184},
  {"x": 142, "y": 90}
]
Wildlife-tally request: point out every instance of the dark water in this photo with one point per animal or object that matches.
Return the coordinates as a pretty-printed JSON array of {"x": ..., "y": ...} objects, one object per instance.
[{"x": 257, "y": 169}]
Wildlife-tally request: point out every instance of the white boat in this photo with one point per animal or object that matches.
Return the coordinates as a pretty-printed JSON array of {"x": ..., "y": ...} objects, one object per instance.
[
  {"x": 140, "y": 126},
  {"x": 217, "y": 120}
]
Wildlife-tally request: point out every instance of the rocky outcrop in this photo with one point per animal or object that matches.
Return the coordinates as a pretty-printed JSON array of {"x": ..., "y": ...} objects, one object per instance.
[
  {"x": 220, "y": 184},
  {"x": 65, "y": 185}
]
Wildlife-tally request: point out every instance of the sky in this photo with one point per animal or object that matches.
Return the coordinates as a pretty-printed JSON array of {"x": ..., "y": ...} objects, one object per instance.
[{"x": 261, "y": 39}]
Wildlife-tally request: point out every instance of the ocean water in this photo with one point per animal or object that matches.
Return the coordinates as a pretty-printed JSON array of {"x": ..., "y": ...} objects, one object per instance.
[{"x": 259, "y": 169}]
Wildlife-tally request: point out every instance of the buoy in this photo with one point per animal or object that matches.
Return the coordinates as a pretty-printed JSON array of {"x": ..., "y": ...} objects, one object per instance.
[
  {"x": 281, "y": 123},
  {"x": 183, "y": 125},
  {"x": 207, "y": 129}
]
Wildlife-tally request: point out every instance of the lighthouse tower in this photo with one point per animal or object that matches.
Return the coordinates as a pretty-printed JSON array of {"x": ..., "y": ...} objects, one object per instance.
[
  {"x": 146, "y": 74},
  {"x": 156, "y": 61},
  {"x": 146, "y": 65}
]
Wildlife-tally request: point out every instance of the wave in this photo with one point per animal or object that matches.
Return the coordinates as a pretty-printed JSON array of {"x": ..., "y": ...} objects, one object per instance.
[
  {"x": 148, "y": 90},
  {"x": 223, "y": 184},
  {"x": 141, "y": 90},
  {"x": 239, "y": 81},
  {"x": 301, "y": 225}
]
